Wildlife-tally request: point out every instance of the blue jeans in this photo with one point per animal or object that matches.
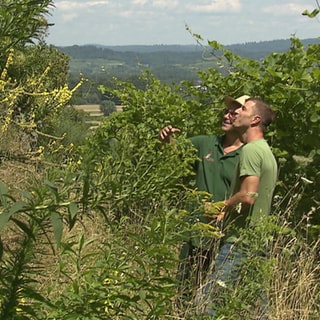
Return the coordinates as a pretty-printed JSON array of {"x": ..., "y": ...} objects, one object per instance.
[
  {"x": 225, "y": 272},
  {"x": 194, "y": 264}
]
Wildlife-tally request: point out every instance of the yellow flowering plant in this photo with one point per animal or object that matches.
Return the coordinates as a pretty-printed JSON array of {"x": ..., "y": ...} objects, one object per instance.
[{"x": 45, "y": 106}]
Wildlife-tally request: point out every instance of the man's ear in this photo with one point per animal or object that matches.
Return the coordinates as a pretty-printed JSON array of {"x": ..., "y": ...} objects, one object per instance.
[{"x": 256, "y": 120}]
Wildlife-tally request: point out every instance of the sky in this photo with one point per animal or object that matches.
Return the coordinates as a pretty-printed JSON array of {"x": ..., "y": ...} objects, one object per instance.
[{"x": 164, "y": 22}]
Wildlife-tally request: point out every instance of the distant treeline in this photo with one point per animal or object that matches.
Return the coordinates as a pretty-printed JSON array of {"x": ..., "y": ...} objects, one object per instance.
[
  {"x": 170, "y": 54},
  {"x": 145, "y": 55},
  {"x": 169, "y": 63}
]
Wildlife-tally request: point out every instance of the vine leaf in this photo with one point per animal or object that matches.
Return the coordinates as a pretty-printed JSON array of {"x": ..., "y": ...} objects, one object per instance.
[{"x": 312, "y": 14}]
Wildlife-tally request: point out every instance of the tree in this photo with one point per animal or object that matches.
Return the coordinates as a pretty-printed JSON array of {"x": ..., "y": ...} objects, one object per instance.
[
  {"x": 22, "y": 22},
  {"x": 33, "y": 77},
  {"x": 107, "y": 107},
  {"x": 286, "y": 80}
]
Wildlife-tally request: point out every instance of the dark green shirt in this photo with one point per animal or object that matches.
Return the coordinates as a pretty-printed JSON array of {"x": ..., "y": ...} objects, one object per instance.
[{"x": 214, "y": 170}]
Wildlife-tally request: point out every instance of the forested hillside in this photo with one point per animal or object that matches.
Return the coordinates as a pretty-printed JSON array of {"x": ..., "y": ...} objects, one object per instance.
[
  {"x": 169, "y": 63},
  {"x": 157, "y": 54}
]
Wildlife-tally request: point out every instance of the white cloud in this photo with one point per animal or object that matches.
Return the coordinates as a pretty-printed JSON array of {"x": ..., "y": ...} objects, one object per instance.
[
  {"x": 127, "y": 13},
  {"x": 165, "y": 3},
  {"x": 69, "y": 16},
  {"x": 148, "y": 21},
  {"x": 287, "y": 8},
  {"x": 71, "y": 5},
  {"x": 216, "y": 6},
  {"x": 140, "y": 2}
]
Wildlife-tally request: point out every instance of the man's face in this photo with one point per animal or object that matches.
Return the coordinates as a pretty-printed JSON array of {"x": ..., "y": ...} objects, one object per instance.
[
  {"x": 228, "y": 118},
  {"x": 244, "y": 115}
]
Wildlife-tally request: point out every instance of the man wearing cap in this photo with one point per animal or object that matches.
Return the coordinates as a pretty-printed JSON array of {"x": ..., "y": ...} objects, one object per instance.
[
  {"x": 251, "y": 190},
  {"x": 214, "y": 173}
]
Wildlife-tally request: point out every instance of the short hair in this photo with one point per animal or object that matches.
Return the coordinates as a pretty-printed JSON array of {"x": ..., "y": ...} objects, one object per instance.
[{"x": 264, "y": 111}]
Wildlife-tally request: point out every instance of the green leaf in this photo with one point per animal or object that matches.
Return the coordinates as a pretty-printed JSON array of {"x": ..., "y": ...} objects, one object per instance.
[
  {"x": 26, "y": 194},
  {"x": 51, "y": 186},
  {"x": 24, "y": 227},
  {"x": 73, "y": 210},
  {"x": 38, "y": 297},
  {"x": 4, "y": 218},
  {"x": 3, "y": 192},
  {"x": 81, "y": 243},
  {"x": 314, "y": 117},
  {"x": 17, "y": 206},
  {"x": 57, "y": 225},
  {"x": 142, "y": 294},
  {"x": 3, "y": 188},
  {"x": 312, "y": 14},
  {"x": 306, "y": 76},
  {"x": 5, "y": 215}
]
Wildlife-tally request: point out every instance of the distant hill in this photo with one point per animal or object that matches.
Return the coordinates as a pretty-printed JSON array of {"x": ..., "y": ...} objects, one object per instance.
[
  {"x": 131, "y": 55},
  {"x": 169, "y": 63},
  {"x": 153, "y": 48},
  {"x": 261, "y": 49},
  {"x": 253, "y": 50}
]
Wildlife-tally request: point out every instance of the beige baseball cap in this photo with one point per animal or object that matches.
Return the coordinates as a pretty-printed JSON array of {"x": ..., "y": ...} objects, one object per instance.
[{"x": 232, "y": 103}]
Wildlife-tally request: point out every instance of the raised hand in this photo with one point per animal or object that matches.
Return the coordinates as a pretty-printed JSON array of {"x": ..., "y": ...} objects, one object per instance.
[{"x": 165, "y": 134}]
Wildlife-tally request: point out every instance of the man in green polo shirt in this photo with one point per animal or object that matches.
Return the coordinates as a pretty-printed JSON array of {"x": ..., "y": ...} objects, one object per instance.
[{"x": 214, "y": 172}]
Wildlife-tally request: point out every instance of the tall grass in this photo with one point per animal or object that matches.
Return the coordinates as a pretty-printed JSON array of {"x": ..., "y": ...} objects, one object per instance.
[
  {"x": 118, "y": 258},
  {"x": 295, "y": 285},
  {"x": 110, "y": 269}
]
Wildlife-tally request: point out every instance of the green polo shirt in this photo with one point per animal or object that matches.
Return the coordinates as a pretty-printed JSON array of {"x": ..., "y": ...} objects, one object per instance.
[
  {"x": 256, "y": 159},
  {"x": 214, "y": 170}
]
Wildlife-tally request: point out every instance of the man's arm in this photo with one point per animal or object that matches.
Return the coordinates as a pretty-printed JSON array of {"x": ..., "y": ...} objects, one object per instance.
[{"x": 247, "y": 195}]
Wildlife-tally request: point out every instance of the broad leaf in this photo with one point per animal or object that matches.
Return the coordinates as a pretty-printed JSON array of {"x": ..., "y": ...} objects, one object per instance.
[
  {"x": 5, "y": 215},
  {"x": 57, "y": 225},
  {"x": 24, "y": 227},
  {"x": 3, "y": 192},
  {"x": 73, "y": 210}
]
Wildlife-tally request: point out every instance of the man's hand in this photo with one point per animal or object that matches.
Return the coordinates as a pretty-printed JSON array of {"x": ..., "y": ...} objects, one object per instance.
[
  {"x": 220, "y": 216},
  {"x": 214, "y": 210},
  {"x": 165, "y": 134}
]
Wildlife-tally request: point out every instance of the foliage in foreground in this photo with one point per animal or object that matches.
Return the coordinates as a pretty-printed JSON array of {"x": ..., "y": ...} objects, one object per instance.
[
  {"x": 106, "y": 268},
  {"x": 118, "y": 217}
]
